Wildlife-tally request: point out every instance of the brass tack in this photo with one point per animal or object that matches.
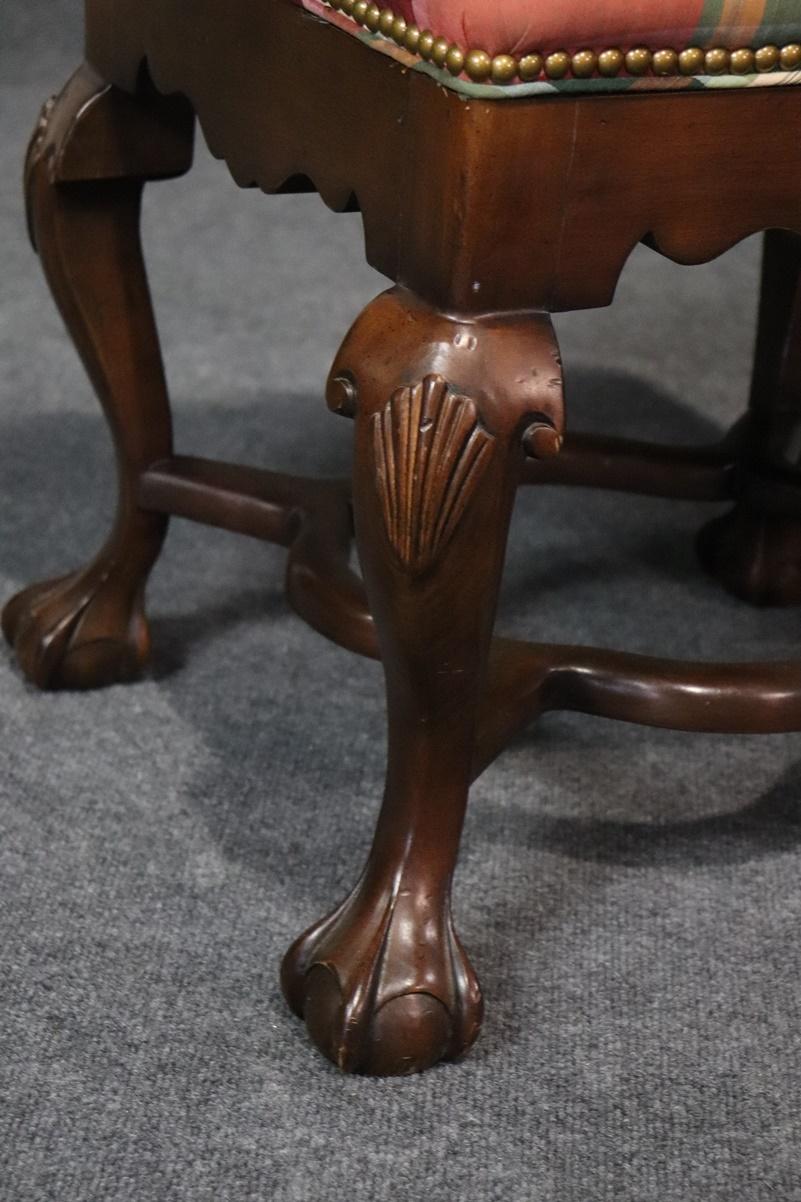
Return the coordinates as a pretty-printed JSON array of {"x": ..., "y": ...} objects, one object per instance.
[
  {"x": 610, "y": 62},
  {"x": 557, "y": 64},
  {"x": 791, "y": 56},
  {"x": 530, "y": 67},
  {"x": 425, "y": 44},
  {"x": 767, "y": 58},
  {"x": 504, "y": 68},
  {"x": 454, "y": 60},
  {"x": 691, "y": 61},
  {"x": 439, "y": 51},
  {"x": 665, "y": 62},
  {"x": 742, "y": 62},
  {"x": 399, "y": 30},
  {"x": 478, "y": 65},
  {"x": 412, "y": 39},
  {"x": 583, "y": 64},
  {"x": 638, "y": 60},
  {"x": 716, "y": 62}
]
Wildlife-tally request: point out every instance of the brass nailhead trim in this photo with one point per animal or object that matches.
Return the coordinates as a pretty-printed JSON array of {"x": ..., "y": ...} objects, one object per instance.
[{"x": 505, "y": 69}]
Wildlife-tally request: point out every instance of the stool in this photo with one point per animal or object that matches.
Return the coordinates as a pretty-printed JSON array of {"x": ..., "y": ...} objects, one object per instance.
[{"x": 505, "y": 161}]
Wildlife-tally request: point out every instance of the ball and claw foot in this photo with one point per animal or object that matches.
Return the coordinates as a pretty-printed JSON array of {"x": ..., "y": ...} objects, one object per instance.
[
  {"x": 384, "y": 989},
  {"x": 81, "y": 631},
  {"x": 755, "y": 557}
]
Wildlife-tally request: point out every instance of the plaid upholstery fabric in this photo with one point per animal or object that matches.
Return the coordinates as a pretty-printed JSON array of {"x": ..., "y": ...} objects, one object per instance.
[{"x": 520, "y": 27}]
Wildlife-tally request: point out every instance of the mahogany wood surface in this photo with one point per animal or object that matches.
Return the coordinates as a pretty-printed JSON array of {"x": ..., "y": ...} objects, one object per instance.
[
  {"x": 86, "y": 166},
  {"x": 755, "y": 550},
  {"x": 487, "y": 216},
  {"x": 474, "y": 205}
]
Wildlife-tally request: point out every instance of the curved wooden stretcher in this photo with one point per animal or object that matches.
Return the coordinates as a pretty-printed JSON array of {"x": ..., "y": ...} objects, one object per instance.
[{"x": 487, "y": 215}]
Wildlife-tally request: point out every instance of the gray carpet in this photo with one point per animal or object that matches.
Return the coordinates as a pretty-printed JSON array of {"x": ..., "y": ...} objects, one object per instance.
[{"x": 630, "y": 898}]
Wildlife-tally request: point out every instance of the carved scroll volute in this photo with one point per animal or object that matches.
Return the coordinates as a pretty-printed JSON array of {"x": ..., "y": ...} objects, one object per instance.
[{"x": 430, "y": 454}]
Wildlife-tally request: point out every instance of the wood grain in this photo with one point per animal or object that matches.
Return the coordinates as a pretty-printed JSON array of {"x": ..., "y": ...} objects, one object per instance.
[
  {"x": 487, "y": 216},
  {"x": 90, "y": 154}
]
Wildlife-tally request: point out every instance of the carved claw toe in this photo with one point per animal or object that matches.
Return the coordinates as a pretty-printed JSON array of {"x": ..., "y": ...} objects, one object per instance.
[
  {"x": 406, "y": 1034},
  {"x": 381, "y": 994},
  {"x": 755, "y": 557},
  {"x": 80, "y": 631}
]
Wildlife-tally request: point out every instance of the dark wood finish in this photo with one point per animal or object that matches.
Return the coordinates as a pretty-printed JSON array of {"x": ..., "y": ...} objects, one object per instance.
[
  {"x": 384, "y": 982},
  {"x": 312, "y": 519},
  {"x": 90, "y": 154},
  {"x": 644, "y": 468},
  {"x": 487, "y": 216},
  {"x": 478, "y": 206},
  {"x": 755, "y": 550}
]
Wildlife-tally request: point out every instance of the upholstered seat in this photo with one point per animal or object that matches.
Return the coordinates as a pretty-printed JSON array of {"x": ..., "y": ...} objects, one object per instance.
[{"x": 519, "y": 47}]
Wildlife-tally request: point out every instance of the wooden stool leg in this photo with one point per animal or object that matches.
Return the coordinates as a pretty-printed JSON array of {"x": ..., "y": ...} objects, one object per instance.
[
  {"x": 755, "y": 549},
  {"x": 442, "y": 409},
  {"x": 91, "y": 152}
]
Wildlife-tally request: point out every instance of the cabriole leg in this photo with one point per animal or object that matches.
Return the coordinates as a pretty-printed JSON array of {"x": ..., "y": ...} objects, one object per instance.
[
  {"x": 444, "y": 408},
  {"x": 92, "y": 151},
  {"x": 754, "y": 550}
]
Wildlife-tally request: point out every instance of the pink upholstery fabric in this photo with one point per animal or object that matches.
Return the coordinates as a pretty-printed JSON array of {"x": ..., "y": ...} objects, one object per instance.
[
  {"x": 518, "y": 26},
  {"x": 515, "y": 26},
  {"x": 677, "y": 43}
]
